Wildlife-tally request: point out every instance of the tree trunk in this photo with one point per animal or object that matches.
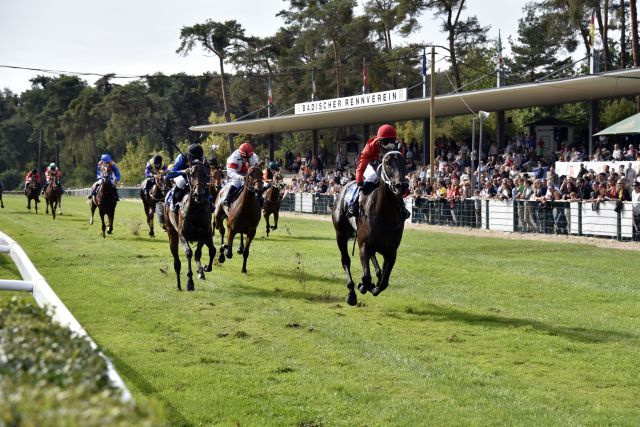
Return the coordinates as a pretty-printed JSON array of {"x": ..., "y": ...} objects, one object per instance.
[
  {"x": 227, "y": 114},
  {"x": 623, "y": 35},
  {"x": 635, "y": 52},
  {"x": 602, "y": 28},
  {"x": 335, "y": 53}
]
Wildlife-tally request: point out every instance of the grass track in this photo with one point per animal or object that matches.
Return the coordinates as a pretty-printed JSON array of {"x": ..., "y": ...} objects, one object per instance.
[{"x": 471, "y": 331}]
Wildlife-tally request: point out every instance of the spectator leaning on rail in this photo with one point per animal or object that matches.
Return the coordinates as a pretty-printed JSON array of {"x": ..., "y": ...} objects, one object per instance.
[
  {"x": 52, "y": 172},
  {"x": 113, "y": 174},
  {"x": 238, "y": 164},
  {"x": 154, "y": 167},
  {"x": 182, "y": 162},
  {"x": 386, "y": 140}
]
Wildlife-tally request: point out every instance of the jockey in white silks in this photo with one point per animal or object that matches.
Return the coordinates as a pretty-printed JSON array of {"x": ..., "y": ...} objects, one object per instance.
[{"x": 238, "y": 164}]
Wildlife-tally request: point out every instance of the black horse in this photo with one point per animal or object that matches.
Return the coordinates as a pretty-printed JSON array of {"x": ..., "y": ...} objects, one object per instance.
[
  {"x": 105, "y": 200},
  {"x": 192, "y": 223},
  {"x": 378, "y": 229}
]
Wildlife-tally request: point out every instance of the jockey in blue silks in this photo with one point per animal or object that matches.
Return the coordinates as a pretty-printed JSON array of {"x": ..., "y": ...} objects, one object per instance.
[
  {"x": 153, "y": 168},
  {"x": 113, "y": 174},
  {"x": 195, "y": 152}
]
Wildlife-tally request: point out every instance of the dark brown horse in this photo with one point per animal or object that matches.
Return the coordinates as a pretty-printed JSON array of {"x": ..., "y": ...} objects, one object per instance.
[
  {"x": 53, "y": 197},
  {"x": 379, "y": 227},
  {"x": 150, "y": 200},
  {"x": 105, "y": 200},
  {"x": 192, "y": 223},
  {"x": 242, "y": 216},
  {"x": 33, "y": 193},
  {"x": 272, "y": 199}
]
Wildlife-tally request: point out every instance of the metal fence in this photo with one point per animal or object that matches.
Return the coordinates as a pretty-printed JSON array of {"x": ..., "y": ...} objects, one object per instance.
[
  {"x": 123, "y": 192},
  {"x": 581, "y": 218}
]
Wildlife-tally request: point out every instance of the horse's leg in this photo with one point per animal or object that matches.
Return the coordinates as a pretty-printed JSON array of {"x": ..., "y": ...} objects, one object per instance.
[
  {"x": 198, "y": 255},
  {"x": 365, "y": 256},
  {"x": 173, "y": 245},
  {"x": 245, "y": 252},
  {"x": 275, "y": 220},
  {"x": 60, "y": 204},
  {"x": 110, "y": 215},
  {"x": 93, "y": 209},
  {"x": 212, "y": 251},
  {"x": 35, "y": 201},
  {"x": 46, "y": 202},
  {"x": 101, "y": 213},
  {"x": 227, "y": 248},
  {"x": 53, "y": 208},
  {"x": 376, "y": 267},
  {"x": 387, "y": 266},
  {"x": 241, "y": 247},
  {"x": 266, "y": 219},
  {"x": 189, "y": 253},
  {"x": 342, "y": 240}
]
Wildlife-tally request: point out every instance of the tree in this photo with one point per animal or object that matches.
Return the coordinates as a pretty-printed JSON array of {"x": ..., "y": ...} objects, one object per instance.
[{"x": 220, "y": 38}]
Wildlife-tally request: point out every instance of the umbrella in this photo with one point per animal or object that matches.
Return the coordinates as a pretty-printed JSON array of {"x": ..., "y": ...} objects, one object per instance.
[{"x": 628, "y": 125}]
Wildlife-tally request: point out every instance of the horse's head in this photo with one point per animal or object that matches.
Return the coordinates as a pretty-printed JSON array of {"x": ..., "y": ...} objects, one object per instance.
[
  {"x": 105, "y": 172},
  {"x": 393, "y": 172},
  {"x": 216, "y": 175},
  {"x": 278, "y": 182},
  {"x": 253, "y": 181},
  {"x": 198, "y": 182},
  {"x": 160, "y": 186}
]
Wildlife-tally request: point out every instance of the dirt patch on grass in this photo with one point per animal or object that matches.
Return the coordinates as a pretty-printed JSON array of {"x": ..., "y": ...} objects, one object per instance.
[{"x": 593, "y": 241}]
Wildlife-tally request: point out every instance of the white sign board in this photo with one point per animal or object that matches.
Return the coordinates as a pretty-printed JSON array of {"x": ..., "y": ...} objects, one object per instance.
[{"x": 355, "y": 101}]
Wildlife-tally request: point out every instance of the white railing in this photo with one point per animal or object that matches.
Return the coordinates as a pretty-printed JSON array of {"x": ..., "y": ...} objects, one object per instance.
[{"x": 32, "y": 281}]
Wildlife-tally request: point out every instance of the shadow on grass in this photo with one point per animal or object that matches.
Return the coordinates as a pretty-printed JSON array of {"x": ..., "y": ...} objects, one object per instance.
[
  {"x": 440, "y": 313},
  {"x": 318, "y": 297},
  {"x": 175, "y": 417}
]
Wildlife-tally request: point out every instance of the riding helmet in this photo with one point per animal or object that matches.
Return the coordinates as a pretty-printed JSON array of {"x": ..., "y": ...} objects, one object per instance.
[
  {"x": 387, "y": 131},
  {"x": 52, "y": 166},
  {"x": 273, "y": 166},
  {"x": 246, "y": 150},
  {"x": 105, "y": 158},
  {"x": 195, "y": 151},
  {"x": 157, "y": 160},
  {"x": 34, "y": 170}
]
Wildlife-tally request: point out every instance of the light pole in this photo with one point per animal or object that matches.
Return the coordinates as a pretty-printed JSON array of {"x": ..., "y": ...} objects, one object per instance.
[
  {"x": 474, "y": 180},
  {"x": 482, "y": 115}
]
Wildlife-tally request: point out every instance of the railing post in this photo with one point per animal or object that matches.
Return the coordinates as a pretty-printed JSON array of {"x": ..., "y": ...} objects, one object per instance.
[
  {"x": 487, "y": 216},
  {"x": 619, "y": 223},
  {"x": 580, "y": 218},
  {"x": 514, "y": 212}
]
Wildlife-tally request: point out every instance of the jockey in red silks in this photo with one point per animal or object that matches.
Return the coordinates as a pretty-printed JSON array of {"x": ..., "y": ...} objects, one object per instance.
[
  {"x": 238, "y": 164},
  {"x": 367, "y": 179},
  {"x": 35, "y": 174},
  {"x": 52, "y": 172}
]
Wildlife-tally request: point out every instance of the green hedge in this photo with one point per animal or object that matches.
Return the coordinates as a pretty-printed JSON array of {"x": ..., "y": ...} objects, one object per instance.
[{"x": 48, "y": 376}]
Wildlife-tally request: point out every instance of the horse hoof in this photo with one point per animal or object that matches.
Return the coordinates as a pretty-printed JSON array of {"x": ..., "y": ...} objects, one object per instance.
[
  {"x": 221, "y": 258},
  {"x": 362, "y": 288},
  {"x": 376, "y": 291},
  {"x": 229, "y": 254},
  {"x": 239, "y": 251},
  {"x": 190, "y": 286},
  {"x": 352, "y": 299},
  {"x": 201, "y": 276},
  {"x": 179, "y": 289},
  {"x": 244, "y": 271},
  {"x": 109, "y": 231}
]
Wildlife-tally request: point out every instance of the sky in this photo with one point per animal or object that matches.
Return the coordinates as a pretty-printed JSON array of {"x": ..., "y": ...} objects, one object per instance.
[{"x": 138, "y": 37}]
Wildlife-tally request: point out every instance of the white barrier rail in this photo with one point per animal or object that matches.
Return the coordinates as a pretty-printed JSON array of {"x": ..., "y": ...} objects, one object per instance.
[{"x": 47, "y": 299}]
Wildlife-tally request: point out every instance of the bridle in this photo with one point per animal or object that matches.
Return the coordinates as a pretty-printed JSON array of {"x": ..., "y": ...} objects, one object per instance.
[
  {"x": 385, "y": 177},
  {"x": 199, "y": 190},
  {"x": 251, "y": 182}
]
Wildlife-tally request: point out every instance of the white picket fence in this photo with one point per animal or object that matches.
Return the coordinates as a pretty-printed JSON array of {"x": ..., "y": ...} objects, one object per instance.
[{"x": 33, "y": 282}]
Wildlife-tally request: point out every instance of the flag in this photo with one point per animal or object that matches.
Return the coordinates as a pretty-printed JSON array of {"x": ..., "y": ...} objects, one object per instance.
[
  {"x": 313, "y": 84},
  {"x": 500, "y": 59},
  {"x": 424, "y": 61},
  {"x": 365, "y": 77},
  {"x": 270, "y": 95},
  {"x": 592, "y": 30}
]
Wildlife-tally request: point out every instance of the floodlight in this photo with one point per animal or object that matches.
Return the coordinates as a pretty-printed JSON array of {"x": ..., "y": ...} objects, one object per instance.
[{"x": 483, "y": 114}]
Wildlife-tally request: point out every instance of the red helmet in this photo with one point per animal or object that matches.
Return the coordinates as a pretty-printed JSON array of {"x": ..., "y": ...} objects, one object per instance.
[
  {"x": 387, "y": 131},
  {"x": 246, "y": 150}
]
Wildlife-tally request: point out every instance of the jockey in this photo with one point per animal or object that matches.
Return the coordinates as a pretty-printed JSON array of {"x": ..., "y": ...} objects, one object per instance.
[
  {"x": 114, "y": 174},
  {"x": 238, "y": 165},
  {"x": 33, "y": 173},
  {"x": 153, "y": 168},
  {"x": 194, "y": 153},
  {"x": 52, "y": 172},
  {"x": 269, "y": 173},
  {"x": 385, "y": 141}
]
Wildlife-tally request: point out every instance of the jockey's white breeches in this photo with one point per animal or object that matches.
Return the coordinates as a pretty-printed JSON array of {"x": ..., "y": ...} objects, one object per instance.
[{"x": 370, "y": 174}]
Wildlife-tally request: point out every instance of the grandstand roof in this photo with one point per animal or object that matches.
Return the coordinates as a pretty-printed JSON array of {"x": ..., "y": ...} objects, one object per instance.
[{"x": 600, "y": 86}]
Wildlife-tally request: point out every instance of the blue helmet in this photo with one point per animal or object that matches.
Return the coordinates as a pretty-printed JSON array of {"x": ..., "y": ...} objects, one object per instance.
[{"x": 105, "y": 158}]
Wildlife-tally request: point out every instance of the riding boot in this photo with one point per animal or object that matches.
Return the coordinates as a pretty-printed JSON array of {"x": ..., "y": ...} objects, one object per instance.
[
  {"x": 44, "y": 188},
  {"x": 177, "y": 197},
  {"x": 230, "y": 196},
  {"x": 117, "y": 196}
]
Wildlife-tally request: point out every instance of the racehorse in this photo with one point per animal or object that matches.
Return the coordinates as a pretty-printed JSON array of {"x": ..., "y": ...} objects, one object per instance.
[
  {"x": 192, "y": 223},
  {"x": 53, "y": 197},
  {"x": 378, "y": 229},
  {"x": 272, "y": 199},
  {"x": 242, "y": 216},
  {"x": 215, "y": 184},
  {"x": 33, "y": 193},
  {"x": 150, "y": 200},
  {"x": 105, "y": 199}
]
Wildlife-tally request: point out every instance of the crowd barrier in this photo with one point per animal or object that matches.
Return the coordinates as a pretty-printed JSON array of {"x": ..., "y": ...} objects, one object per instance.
[{"x": 581, "y": 218}]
